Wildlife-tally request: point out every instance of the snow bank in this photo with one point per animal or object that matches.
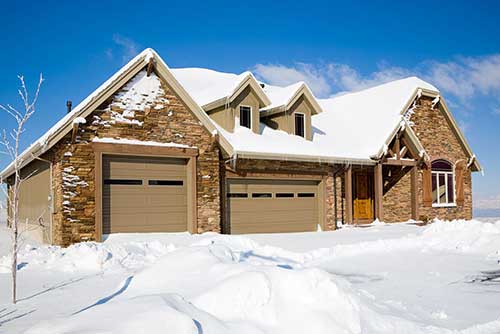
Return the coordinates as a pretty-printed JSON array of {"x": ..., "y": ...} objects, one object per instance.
[
  {"x": 232, "y": 284},
  {"x": 88, "y": 256}
]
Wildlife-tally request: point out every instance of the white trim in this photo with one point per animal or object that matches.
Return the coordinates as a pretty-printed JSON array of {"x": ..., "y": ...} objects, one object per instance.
[
  {"x": 303, "y": 126},
  {"x": 452, "y": 173},
  {"x": 239, "y": 114},
  {"x": 450, "y": 205}
]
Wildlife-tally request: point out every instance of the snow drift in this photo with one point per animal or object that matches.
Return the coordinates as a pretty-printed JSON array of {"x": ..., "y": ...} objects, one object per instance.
[{"x": 232, "y": 284}]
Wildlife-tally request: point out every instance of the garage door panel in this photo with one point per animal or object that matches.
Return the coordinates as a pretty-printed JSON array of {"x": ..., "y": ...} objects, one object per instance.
[
  {"x": 267, "y": 206},
  {"x": 273, "y": 204},
  {"x": 158, "y": 203},
  {"x": 277, "y": 216}
]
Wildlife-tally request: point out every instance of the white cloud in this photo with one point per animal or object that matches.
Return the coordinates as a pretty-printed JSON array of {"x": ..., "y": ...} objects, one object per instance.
[
  {"x": 327, "y": 79},
  {"x": 463, "y": 78},
  {"x": 281, "y": 75},
  {"x": 349, "y": 79},
  {"x": 467, "y": 77},
  {"x": 129, "y": 48},
  {"x": 492, "y": 202}
]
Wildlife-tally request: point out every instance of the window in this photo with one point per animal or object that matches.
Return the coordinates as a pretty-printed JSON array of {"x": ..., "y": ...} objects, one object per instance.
[
  {"x": 443, "y": 183},
  {"x": 237, "y": 195},
  {"x": 123, "y": 182},
  {"x": 246, "y": 116},
  {"x": 305, "y": 195},
  {"x": 165, "y": 182},
  {"x": 262, "y": 195},
  {"x": 281, "y": 195},
  {"x": 300, "y": 125}
]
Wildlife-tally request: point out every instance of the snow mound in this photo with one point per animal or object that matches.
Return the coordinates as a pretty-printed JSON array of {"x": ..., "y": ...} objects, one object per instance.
[
  {"x": 88, "y": 256},
  {"x": 232, "y": 284}
]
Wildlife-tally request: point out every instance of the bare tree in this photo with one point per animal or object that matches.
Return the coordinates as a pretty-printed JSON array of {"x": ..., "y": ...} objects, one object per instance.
[{"x": 11, "y": 142}]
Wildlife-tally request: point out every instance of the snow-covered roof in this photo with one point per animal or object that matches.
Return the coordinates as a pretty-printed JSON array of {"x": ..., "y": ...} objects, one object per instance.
[
  {"x": 352, "y": 127},
  {"x": 359, "y": 124},
  {"x": 206, "y": 85},
  {"x": 281, "y": 96},
  {"x": 109, "y": 87}
]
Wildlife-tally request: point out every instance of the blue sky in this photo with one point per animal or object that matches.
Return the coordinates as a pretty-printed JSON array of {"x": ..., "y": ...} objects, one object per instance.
[{"x": 335, "y": 47}]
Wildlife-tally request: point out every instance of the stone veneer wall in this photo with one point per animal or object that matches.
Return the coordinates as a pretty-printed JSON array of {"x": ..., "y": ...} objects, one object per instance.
[
  {"x": 440, "y": 142},
  {"x": 282, "y": 168},
  {"x": 164, "y": 119}
]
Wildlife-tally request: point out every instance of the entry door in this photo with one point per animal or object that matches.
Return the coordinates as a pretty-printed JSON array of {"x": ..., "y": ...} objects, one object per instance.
[{"x": 363, "y": 203}]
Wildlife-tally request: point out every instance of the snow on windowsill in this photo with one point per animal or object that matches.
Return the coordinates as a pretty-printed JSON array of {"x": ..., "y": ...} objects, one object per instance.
[{"x": 138, "y": 142}]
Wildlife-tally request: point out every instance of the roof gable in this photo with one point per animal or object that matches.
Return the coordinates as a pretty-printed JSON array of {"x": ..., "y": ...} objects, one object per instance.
[
  {"x": 102, "y": 93},
  {"x": 283, "y": 98},
  {"x": 211, "y": 89}
]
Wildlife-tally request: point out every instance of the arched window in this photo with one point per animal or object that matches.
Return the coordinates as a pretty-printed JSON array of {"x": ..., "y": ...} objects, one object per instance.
[{"x": 443, "y": 183}]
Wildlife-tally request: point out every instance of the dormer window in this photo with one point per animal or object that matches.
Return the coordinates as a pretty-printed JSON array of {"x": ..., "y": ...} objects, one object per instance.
[
  {"x": 300, "y": 124},
  {"x": 246, "y": 116}
]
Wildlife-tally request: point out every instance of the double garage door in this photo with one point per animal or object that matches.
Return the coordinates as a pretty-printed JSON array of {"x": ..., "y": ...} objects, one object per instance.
[
  {"x": 268, "y": 206},
  {"x": 144, "y": 194}
]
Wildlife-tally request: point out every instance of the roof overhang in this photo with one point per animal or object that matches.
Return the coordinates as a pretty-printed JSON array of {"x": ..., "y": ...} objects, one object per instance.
[
  {"x": 476, "y": 166},
  {"x": 413, "y": 137}
]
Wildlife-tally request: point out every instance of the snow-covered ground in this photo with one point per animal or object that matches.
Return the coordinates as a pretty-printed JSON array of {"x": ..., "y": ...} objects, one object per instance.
[{"x": 398, "y": 278}]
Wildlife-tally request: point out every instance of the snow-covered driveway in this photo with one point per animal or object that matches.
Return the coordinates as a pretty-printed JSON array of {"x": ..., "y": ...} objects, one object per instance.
[{"x": 398, "y": 278}]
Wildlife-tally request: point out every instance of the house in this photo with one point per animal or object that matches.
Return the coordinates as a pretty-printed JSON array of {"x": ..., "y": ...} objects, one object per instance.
[{"x": 156, "y": 149}]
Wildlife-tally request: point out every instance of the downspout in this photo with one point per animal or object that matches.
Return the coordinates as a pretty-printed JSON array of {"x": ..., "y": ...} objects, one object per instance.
[{"x": 335, "y": 209}]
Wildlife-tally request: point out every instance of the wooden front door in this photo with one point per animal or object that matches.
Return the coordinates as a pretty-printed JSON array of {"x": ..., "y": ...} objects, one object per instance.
[{"x": 363, "y": 199}]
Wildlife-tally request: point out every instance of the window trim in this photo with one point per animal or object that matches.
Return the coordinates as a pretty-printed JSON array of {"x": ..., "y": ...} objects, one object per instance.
[
  {"x": 250, "y": 118},
  {"x": 445, "y": 173},
  {"x": 303, "y": 125}
]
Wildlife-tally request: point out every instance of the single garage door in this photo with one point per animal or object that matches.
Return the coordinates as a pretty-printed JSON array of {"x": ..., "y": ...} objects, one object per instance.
[
  {"x": 144, "y": 194},
  {"x": 268, "y": 206}
]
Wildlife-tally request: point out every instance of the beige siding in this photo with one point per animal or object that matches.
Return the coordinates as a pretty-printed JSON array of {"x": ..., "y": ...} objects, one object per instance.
[
  {"x": 144, "y": 207},
  {"x": 286, "y": 120},
  {"x": 273, "y": 206},
  {"x": 226, "y": 115},
  {"x": 35, "y": 201}
]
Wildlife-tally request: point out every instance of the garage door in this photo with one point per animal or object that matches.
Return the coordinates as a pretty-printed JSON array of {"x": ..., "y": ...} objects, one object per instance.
[
  {"x": 144, "y": 194},
  {"x": 267, "y": 206}
]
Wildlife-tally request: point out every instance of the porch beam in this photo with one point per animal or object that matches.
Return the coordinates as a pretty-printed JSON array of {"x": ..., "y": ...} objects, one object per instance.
[
  {"x": 348, "y": 194},
  {"x": 414, "y": 193},
  {"x": 397, "y": 148},
  {"x": 394, "y": 162},
  {"x": 379, "y": 187}
]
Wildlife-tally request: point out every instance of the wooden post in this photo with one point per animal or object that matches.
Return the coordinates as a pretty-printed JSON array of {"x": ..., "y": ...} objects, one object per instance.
[
  {"x": 335, "y": 199},
  {"x": 414, "y": 193},
  {"x": 348, "y": 195},
  {"x": 379, "y": 191}
]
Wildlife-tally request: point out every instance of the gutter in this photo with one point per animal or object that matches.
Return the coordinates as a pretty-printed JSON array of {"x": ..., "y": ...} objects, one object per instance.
[{"x": 303, "y": 158}]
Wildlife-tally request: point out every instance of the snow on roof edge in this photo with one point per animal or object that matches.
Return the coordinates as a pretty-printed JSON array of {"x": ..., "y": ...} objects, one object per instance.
[{"x": 43, "y": 140}]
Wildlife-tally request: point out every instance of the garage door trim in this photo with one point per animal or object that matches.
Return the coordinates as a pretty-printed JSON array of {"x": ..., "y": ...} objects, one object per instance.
[{"x": 190, "y": 154}]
